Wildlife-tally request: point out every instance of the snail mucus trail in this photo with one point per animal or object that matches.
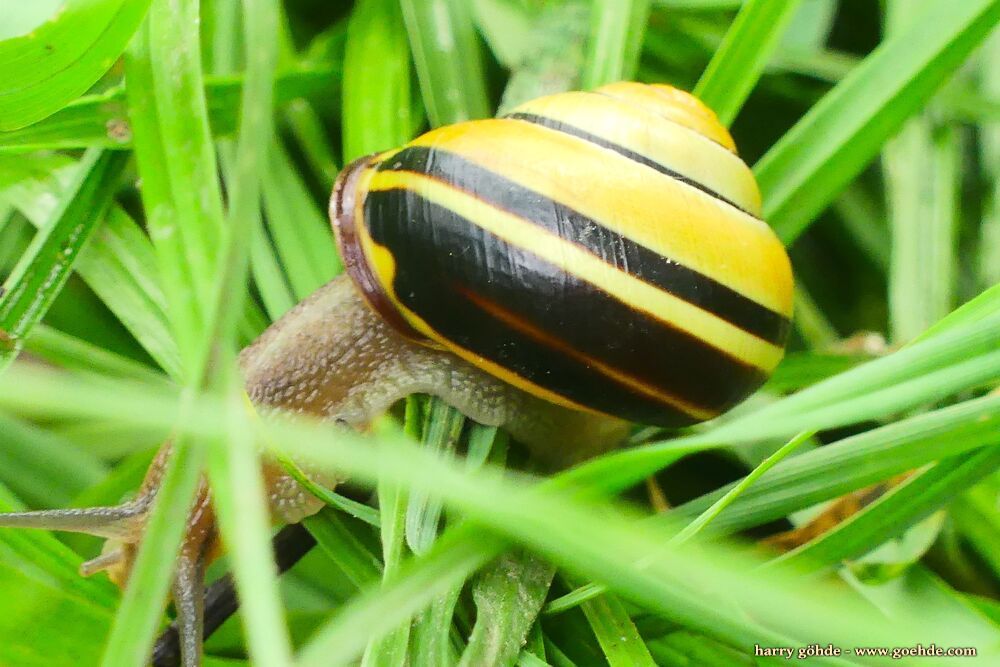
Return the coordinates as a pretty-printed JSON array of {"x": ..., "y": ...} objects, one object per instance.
[{"x": 590, "y": 260}]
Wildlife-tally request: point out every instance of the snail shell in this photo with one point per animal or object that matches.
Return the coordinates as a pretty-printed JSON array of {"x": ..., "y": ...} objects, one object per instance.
[{"x": 602, "y": 251}]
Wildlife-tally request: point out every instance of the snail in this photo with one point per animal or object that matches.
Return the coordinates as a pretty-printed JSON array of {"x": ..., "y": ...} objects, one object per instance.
[{"x": 588, "y": 261}]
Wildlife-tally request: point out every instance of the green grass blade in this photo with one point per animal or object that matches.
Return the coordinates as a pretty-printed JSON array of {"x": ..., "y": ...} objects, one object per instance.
[
  {"x": 452, "y": 559},
  {"x": 559, "y": 525},
  {"x": 73, "y": 353},
  {"x": 102, "y": 119},
  {"x": 616, "y": 633},
  {"x": 442, "y": 430},
  {"x": 139, "y": 615},
  {"x": 894, "y": 512},
  {"x": 43, "y": 270},
  {"x": 989, "y": 250},
  {"x": 391, "y": 648},
  {"x": 855, "y": 462},
  {"x": 730, "y": 497},
  {"x": 865, "y": 221},
  {"x": 921, "y": 168},
  {"x": 924, "y": 225},
  {"x": 811, "y": 163},
  {"x": 40, "y": 552},
  {"x": 864, "y": 392},
  {"x": 376, "y": 98},
  {"x": 508, "y": 594},
  {"x": 301, "y": 232},
  {"x": 616, "y": 33},
  {"x": 740, "y": 60},
  {"x": 180, "y": 191},
  {"x": 447, "y": 58},
  {"x": 118, "y": 263},
  {"x": 333, "y": 536},
  {"x": 358, "y": 510},
  {"x": 234, "y": 466},
  {"x": 62, "y": 58},
  {"x": 591, "y": 591},
  {"x": 978, "y": 522},
  {"x": 272, "y": 284},
  {"x": 816, "y": 330},
  {"x": 184, "y": 214},
  {"x": 43, "y": 469}
]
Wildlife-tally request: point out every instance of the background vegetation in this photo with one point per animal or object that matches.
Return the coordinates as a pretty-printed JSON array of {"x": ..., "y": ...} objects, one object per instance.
[{"x": 154, "y": 151}]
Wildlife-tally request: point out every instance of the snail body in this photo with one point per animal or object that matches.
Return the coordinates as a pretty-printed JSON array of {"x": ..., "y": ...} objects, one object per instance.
[{"x": 591, "y": 260}]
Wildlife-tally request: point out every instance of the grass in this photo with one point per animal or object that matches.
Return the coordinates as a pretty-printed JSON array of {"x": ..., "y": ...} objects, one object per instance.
[{"x": 164, "y": 174}]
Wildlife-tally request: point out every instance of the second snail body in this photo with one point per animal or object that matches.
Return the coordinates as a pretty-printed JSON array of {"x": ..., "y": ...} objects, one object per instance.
[{"x": 589, "y": 261}]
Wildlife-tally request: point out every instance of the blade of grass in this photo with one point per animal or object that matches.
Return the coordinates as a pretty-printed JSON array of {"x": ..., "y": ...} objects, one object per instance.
[
  {"x": 272, "y": 284},
  {"x": 508, "y": 596},
  {"x": 73, "y": 353},
  {"x": 977, "y": 520},
  {"x": 43, "y": 270},
  {"x": 360, "y": 566},
  {"x": 799, "y": 370},
  {"x": 184, "y": 212},
  {"x": 591, "y": 591},
  {"x": 141, "y": 608},
  {"x": 358, "y": 510},
  {"x": 855, "y": 462},
  {"x": 441, "y": 433},
  {"x": 234, "y": 467},
  {"x": 616, "y": 632},
  {"x": 848, "y": 398},
  {"x": 43, "y": 469},
  {"x": 118, "y": 264},
  {"x": 101, "y": 120},
  {"x": 738, "y": 63},
  {"x": 812, "y": 162},
  {"x": 616, "y": 33},
  {"x": 810, "y": 27},
  {"x": 391, "y": 648},
  {"x": 181, "y": 191},
  {"x": 898, "y": 509},
  {"x": 40, "y": 552},
  {"x": 922, "y": 216},
  {"x": 63, "y": 57},
  {"x": 376, "y": 98},
  {"x": 300, "y": 230},
  {"x": 816, "y": 330},
  {"x": 447, "y": 58},
  {"x": 989, "y": 149},
  {"x": 539, "y": 518},
  {"x": 865, "y": 221}
]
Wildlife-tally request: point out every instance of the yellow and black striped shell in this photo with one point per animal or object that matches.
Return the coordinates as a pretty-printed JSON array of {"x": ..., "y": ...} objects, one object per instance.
[{"x": 601, "y": 250}]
